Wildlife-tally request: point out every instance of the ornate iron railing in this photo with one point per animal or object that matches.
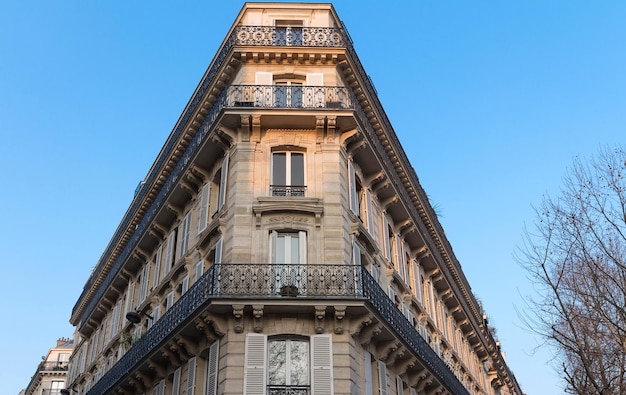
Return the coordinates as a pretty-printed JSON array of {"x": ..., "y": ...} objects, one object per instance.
[
  {"x": 288, "y": 190},
  {"x": 289, "y": 96},
  {"x": 277, "y": 281},
  {"x": 288, "y": 390},
  {"x": 289, "y": 36}
]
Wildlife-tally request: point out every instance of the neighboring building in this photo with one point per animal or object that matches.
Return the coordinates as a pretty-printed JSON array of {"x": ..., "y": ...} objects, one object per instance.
[
  {"x": 281, "y": 242},
  {"x": 49, "y": 379}
]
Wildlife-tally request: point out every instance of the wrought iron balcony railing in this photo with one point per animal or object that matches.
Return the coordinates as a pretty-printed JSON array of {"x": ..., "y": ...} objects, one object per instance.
[
  {"x": 289, "y": 96},
  {"x": 54, "y": 366},
  {"x": 288, "y": 390},
  {"x": 278, "y": 281},
  {"x": 288, "y": 190}
]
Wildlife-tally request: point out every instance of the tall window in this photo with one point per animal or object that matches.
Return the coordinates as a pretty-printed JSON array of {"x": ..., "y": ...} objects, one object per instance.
[
  {"x": 288, "y": 174},
  {"x": 288, "y": 365},
  {"x": 288, "y": 94},
  {"x": 288, "y": 250}
]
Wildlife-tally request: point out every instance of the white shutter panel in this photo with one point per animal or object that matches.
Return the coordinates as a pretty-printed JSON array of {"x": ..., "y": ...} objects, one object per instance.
[
  {"x": 157, "y": 267},
  {"x": 356, "y": 254},
  {"x": 169, "y": 251},
  {"x": 191, "y": 375},
  {"x": 199, "y": 269},
  {"x": 203, "y": 220},
  {"x": 218, "y": 251},
  {"x": 170, "y": 300},
  {"x": 382, "y": 378},
  {"x": 399, "y": 386},
  {"x": 129, "y": 297},
  {"x": 263, "y": 78},
  {"x": 156, "y": 313},
  {"x": 254, "y": 372},
  {"x": 367, "y": 367},
  {"x": 159, "y": 389},
  {"x": 176, "y": 382},
  {"x": 184, "y": 285},
  {"x": 412, "y": 392},
  {"x": 315, "y": 79},
  {"x": 223, "y": 182},
  {"x": 321, "y": 365},
  {"x": 315, "y": 94},
  {"x": 183, "y": 236},
  {"x": 369, "y": 214},
  {"x": 212, "y": 365},
  {"x": 352, "y": 188},
  {"x": 302, "y": 243},
  {"x": 386, "y": 240}
]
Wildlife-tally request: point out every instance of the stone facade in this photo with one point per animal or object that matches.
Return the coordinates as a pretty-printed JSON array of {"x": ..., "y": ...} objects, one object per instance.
[{"x": 281, "y": 242}]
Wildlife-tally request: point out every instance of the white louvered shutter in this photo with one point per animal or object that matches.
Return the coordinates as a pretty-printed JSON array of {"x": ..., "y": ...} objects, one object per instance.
[
  {"x": 321, "y": 365},
  {"x": 176, "y": 382},
  {"x": 223, "y": 182},
  {"x": 157, "y": 267},
  {"x": 354, "y": 207},
  {"x": 254, "y": 373},
  {"x": 212, "y": 366},
  {"x": 399, "y": 386},
  {"x": 382, "y": 378},
  {"x": 191, "y": 375},
  {"x": 205, "y": 194}
]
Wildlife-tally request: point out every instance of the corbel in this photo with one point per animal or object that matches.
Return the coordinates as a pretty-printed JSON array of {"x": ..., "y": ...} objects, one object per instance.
[
  {"x": 257, "y": 317},
  {"x": 340, "y": 314},
  {"x": 145, "y": 255},
  {"x": 320, "y": 120},
  {"x": 425, "y": 380},
  {"x": 320, "y": 314},
  {"x": 160, "y": 370},
  {"x": 208, "y": 333},
  {"x": 186, "y": 344},
  {"x": 375, "y": 178},
  {"x": 238, "y": 314},
  {"x": 143, "y": 380},
  {"x": 360, "y": 322},
  {"x": 200, "y": 171},
  {"x": 383, "y": 184},
  {"x": 194, "y": 179},
  {"x": 384, "y": 350},
  {"x": 436, "y": 390},
  {"x": 138, "y": 385},
  {"x": 358, "y": 145},
  {"x": 168, "y": 354},
  {"x": 246, "y": 132},
  {"x": 187, "y": 186},
  {"x": 389, "y": 201},
  {"x": 178, "y": 350},
  {"x": 331, "y": 124},
  {"x": 405, "y": 364},
  {"x": 174, "y": 209},
  {"x": 256, "y": 128},
  {"x": 348, "y": 136},
  {"x": 422, "y": 253},
  {"x": 369, "y": 332}
]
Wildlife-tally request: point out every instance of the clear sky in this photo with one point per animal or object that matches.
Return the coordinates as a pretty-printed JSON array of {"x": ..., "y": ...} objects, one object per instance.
[{"x": 491, "y": 100}]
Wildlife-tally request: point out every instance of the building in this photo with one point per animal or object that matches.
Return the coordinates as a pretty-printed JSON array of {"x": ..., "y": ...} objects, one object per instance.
[
  {"x": 49, "y": 379},
  {"x": 281, "y": 242}
]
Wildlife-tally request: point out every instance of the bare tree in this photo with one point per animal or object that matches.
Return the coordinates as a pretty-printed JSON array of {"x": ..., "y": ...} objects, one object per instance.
[{"x": 576, "y": 257}]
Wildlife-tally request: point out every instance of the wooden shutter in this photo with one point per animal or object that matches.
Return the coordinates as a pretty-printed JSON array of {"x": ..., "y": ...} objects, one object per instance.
[
  {"x": 185, "y": 285},
  {"x": 157, "y": 267},
  {"x": 303, "y": 251},
  {"x": 212, "y": 366},
  {"x": 169, "y": 251},
  {"x": 399, "y": 386},
  {"x": 254, "y": 372},
  {"x": 191, "y": 375},
  {"x": 321, "y": 365},
  {"x": 382, "y": 378},
  {"x": 159, "y": 389},
  {"x": 199, "y": 269},
  {"x": 369, "y": 215},
  {"x": 205, "y": 194},
  {"x": 183, "y": 235},
  {"x": 129, "y": 297},
  {"x": 176, "y": 382},
  {"x": 223, "y": 182},
  {"x": 170, "y": 300},
  {"x": 354, "y": 207}
]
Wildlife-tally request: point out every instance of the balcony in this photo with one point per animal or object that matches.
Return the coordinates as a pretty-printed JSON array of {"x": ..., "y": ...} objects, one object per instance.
[
  {"x": 288, "y": 190},
  {"x": 288, "y": 96},
  {"x": 278, "y": 281},
  {"x": 47, "y": 366}
]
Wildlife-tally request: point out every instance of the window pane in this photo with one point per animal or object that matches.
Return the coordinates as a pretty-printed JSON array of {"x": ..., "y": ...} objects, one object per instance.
[
  {"x": 277, "y": 362},
  {"x": 299, "y": 362},
  {"x": 279, "y": 172},
  {"x": 280, "y": 249},
  {"x": 295, "y": 250},
  {"x": 297, "y": 169}
]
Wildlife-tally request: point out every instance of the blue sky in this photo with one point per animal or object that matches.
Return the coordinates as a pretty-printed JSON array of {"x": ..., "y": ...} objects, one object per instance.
[{"x": 491, "y": 100}]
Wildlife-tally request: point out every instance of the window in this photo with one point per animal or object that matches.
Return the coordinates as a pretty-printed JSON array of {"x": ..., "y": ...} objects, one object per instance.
[
  {"x": 288, "y": 94},
  {"x": 288, "y": 174},
  {"x": 169, "y": 251},
  {"x": 222, "y": 182},
  {"x": 287, "y": 364},
  {"x": 288, "y": 32},
  {"x": 288, "y": 250},
  {"x": 157, "y": 267},
  {"x": 210, "y": 378}
]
